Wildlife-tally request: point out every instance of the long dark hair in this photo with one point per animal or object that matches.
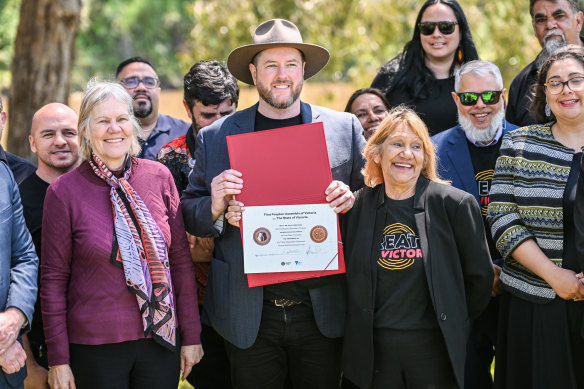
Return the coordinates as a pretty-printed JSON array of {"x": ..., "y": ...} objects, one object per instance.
[
  {"x": 538, "y": 103},
  {"x": 412, "y": 72}
]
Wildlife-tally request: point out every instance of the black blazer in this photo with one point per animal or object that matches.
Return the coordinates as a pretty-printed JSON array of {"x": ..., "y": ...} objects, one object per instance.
[
  {"x": 579, "y": 216},
  {"x": 456, "y": 260}
]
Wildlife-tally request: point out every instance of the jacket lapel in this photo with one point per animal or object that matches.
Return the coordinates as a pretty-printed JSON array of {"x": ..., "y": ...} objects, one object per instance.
[
  {"x": 461, "y": 163},
  {"x": 420, "y": 217},
  {"x": 374, "y": 246},
  {"x": 246, "y": 122},
  {"x": 307, "y": 114}
]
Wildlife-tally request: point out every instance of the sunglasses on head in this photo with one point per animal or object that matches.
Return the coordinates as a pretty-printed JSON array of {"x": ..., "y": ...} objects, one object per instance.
[
  {"x": 489, "y": 97},
  {"x": 445, "y": 27}
]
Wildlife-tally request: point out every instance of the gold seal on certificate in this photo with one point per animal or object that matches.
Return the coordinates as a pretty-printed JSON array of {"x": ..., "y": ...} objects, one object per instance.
[
  {"x": 318, "y": 234},
  {"x": 262, "y": 236}
]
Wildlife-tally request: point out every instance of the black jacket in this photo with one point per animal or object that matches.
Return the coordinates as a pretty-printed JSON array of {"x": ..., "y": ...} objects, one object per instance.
[
  {"x": 579, "y": 216},
  {"x": 456, "y": 260}
]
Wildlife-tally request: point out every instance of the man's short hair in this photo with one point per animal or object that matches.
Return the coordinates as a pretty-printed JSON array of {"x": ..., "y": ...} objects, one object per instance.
[
  {"x": 128, "y": 61},
  {"x": 574, "y": 4},
  {"x": 480, "y": 69},
  {"x": 210, "y": 83}
]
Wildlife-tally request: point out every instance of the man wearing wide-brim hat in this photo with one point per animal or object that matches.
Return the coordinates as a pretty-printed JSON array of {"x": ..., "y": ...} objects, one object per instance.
[{"x": 291, "y": 328}]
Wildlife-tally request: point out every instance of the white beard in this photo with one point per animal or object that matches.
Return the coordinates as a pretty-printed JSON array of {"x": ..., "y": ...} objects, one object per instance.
[
  {"x": 549, "y": 46},
  {"x": 484, "y": 136}
]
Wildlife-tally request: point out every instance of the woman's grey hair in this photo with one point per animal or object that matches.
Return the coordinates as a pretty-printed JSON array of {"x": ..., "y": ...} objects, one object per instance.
[
  {"x": 480, "y": 69},
  {"x": 96, "y": 93}
]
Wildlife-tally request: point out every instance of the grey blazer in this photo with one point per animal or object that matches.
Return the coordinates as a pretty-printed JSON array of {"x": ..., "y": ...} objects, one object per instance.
[
  {"x": 230, "y": 306},
  {"x": 18, "y": 262}
]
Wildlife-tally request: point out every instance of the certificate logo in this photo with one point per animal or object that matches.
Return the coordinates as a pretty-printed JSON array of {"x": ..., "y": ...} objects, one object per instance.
[
  {"x": 318, "y": 234},
  {"x": 262, "y": 236}
]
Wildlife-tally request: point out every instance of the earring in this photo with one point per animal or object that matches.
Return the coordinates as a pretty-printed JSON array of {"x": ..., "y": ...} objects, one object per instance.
[
  {"x": 459, "y": 54},
  {"x": 548, "y": 111}
]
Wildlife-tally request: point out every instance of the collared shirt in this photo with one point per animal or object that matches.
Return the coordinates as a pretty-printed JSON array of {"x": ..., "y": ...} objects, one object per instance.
[
  {"x": 492, "y": 142},
  {"x": 167, "y": 128}
]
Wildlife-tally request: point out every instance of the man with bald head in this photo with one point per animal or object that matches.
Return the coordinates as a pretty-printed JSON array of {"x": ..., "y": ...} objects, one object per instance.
[{"x": 53, "y": 137}]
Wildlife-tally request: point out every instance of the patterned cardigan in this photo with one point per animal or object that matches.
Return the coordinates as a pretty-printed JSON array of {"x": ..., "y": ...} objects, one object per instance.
[{"x": 527, "y": 203}]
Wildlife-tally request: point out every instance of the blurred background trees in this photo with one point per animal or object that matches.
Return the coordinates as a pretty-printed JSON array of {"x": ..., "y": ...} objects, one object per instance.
[{"x": 361, "y": 34}]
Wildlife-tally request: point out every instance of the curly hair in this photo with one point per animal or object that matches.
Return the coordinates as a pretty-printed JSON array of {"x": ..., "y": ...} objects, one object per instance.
[{"x": 210, "y": 83}]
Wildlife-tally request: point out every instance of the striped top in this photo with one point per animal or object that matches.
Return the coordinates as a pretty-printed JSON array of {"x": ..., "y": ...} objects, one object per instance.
[{"x": 527, "y": 203}]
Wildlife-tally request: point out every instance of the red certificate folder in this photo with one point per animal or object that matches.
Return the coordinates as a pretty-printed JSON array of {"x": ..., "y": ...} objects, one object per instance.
[{"x": 283, "y": 166}]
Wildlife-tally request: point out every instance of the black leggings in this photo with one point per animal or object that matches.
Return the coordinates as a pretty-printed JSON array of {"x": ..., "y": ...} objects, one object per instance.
[{"x": 136, "y": 364}]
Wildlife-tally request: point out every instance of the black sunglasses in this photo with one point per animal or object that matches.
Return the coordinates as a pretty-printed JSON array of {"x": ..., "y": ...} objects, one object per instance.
[
  {"x": 445, "y": 27},
  {"x": 489, "y": 97}
]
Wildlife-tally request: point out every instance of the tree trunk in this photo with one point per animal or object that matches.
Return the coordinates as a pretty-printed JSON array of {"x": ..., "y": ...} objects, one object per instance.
[{"x": 41, "y": 67}]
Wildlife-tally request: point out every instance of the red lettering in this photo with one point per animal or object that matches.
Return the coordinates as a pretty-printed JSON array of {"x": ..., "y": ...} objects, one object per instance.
[
  {"x": 385, "y": 253},
  {"x": 402, "y": 252},
  {"x": 410, "y": 253},
  {"x": 419, "y": 253}
]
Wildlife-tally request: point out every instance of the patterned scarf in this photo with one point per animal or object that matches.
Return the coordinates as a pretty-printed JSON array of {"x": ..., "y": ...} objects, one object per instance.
[{"x": 140, "y": 249}]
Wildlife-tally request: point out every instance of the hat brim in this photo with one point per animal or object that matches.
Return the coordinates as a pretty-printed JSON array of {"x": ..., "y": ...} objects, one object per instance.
[{"x": 316, "y": 58}]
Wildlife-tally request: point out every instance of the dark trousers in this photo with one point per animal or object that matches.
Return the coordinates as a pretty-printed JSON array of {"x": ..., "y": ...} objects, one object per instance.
[
  {"x": 289, "y": 351},
  {"x": 213, "y": 372},
  {"x": 480, "y": 349},
  {"x": 137, "y": 364},
  {"x": 412, "y": 359}
]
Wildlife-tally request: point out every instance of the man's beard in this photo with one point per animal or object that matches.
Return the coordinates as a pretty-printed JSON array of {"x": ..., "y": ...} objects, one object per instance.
[
  {"x": 486, "y": 135},
  {"x": 265, "y": 93},
  {"x": 142, "y": 109},
  {"x": 549, "y": 46}
]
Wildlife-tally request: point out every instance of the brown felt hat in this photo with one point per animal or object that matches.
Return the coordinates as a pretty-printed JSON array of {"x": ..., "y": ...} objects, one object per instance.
[{"x": 276, "y": 33}]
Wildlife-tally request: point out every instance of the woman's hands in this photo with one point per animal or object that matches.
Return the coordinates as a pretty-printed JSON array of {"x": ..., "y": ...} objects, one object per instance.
[
  {"x": 567, "y": 284},
  {"x": 61, "y": 377},
  {"x": 189, "y": 356}
]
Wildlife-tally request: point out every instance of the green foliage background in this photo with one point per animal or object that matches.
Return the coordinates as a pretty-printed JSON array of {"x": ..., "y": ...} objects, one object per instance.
[{"x": 361, "y": 34}]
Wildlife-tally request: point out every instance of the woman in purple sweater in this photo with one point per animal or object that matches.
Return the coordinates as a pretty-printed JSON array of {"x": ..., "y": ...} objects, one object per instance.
[{"x": 118, "y": 289}]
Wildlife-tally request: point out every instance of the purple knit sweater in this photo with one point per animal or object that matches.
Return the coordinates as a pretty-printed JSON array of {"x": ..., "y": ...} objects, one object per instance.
[{"x": 84, "y": 297}]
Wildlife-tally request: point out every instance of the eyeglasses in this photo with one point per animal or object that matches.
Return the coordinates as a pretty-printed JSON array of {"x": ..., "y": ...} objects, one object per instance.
[
  {"x": 489, "y": 97},
  {"x": 445, "y": 27},
  {"x": 132, "y": 82},
  {"x": 556, "y": 87}
]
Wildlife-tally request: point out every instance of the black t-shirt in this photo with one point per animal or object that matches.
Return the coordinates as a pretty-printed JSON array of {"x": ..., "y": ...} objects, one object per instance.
[
  {"x": 294, "y": 289},
  {"x": 32, "y": 193},
  {"x": 402, "y": 299},
  {"x": 438, "y": 111},
  {"x": 483, "y": 161}
]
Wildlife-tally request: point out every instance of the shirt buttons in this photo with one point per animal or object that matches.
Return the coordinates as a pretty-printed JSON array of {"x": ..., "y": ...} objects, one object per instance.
[{"x": 442, "y": 316}]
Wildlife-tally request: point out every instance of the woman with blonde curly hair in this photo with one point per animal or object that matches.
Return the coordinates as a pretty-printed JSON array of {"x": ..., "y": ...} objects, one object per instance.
[{"x": 418, "y": 265}]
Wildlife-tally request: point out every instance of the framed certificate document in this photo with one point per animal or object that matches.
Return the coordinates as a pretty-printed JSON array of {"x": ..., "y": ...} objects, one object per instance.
[{"x": 290, "y": 238}]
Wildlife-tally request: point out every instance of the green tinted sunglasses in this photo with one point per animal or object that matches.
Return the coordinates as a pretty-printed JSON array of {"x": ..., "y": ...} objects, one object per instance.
[{"x": 489, "y": 97}]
